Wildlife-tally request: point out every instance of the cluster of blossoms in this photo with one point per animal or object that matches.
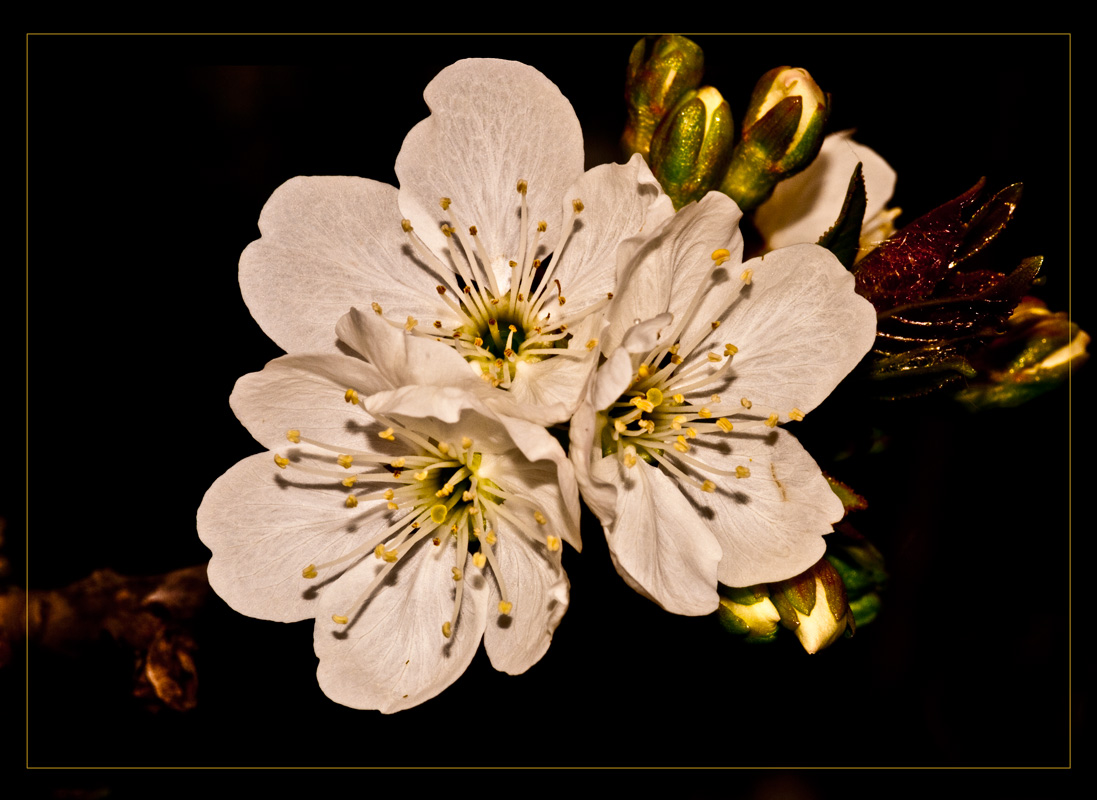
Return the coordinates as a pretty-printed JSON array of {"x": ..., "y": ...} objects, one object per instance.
[{"x": 413, "y": 501}]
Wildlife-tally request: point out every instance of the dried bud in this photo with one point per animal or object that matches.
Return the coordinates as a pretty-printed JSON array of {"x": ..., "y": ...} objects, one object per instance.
[
  {"x": 655, "y": 84},
  {"x": 692, "y": 145},
  {"x": 782, "y": 134},
  {"x": 813, "y": 605}
]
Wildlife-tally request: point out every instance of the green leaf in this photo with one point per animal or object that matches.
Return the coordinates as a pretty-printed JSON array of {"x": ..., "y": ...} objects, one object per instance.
[{"x": 844, "y": 237}]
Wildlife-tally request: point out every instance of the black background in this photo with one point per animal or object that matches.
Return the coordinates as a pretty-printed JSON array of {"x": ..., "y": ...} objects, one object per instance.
[{"x": 149, "y": 161}]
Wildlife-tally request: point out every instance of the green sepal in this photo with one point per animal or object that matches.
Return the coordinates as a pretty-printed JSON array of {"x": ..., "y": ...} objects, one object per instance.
[
  {"x": 851, "y": 501},
  {"x": 844, "y": 236}
]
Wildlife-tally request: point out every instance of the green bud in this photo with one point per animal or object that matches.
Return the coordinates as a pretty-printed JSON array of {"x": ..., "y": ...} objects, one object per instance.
[
  {"x": 782, "y": 134},
  {"x": 814, "y": 605},
  {"x": 748, "y": 612},
  {"x": 654, "y": 84},
  {"x": 691, "y": 146},
  {"x": 1036, "y": 353}
]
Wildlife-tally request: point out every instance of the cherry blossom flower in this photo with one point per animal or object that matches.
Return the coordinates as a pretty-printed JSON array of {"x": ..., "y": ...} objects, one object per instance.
[
  {"x": 496, "y": 243},
  {"x": 410, "y": 522},
  {"x": 678, "y": 446}
]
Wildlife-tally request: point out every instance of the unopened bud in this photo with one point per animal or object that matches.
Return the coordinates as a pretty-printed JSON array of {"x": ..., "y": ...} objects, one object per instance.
[
  {"x": 813, "y": 605},
  {"x": 749, "y": 612},
  {"x": 692, "y": 145},
  {"x": 654, "y": 83},
  {"x": 782, "y": 134}
]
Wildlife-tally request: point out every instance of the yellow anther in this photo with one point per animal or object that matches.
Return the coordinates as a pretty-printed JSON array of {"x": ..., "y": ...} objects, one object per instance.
[
  {"x": 466, "y": 442},
  {"x": 643, "y": 404},
  {"x": 474, "y": 510},
  {"x": 715, "y": 357},
  {"x": 478, "y": 342},
  {"x": 387, "y": 434},
  {"x": 553, "y": 543},
  {"x": 577, "y": 204},
  {"x": 644, "y": 371},
  {"x": 411, "y": 323},
  {"x": 379, "y": 551},
  {"x": 352, "y": 501},
  {"x": 351, "y": 396},
  {"x": 592, "y": 344},
  {"x": 421, "y": 476},
  {"x": 796, "y": 414},
  {"x": 281, "y": 461},
  {"x": 444, "y": 203},
  {"x": 654, "y": 396},
  {"x": 406, "y": 225},
  {"x": 472, "y": 230},
  {"x": 537, "y": 515},
  {"x": 647, "y": 425},
  {"x": 376, "y": 307},
  {"x": 512, "y": 264},
  {"x": 399, "y": 463},
  {"x": 724, "y": 425},
  {"x": 747, "y": 275},
  {"x": 730, "y": 349},
  {"x": 512, "y": 328},
  {"x": 680, "y": 445},
  {"x": 715, "y": 398},
  {"x": 479, "y": 559},
  {"x": 388, "y": 495},
  {"x": 438, "y": 514},
  {"x": 561, "y": 299},
  {"x": 339, "y": 619},
  {"x": 522, "y": 187},
  {"x": 675, "y": 359},
  {"x": 691, "y": 433},
  {"x": 742, "y": 472},
  {"x": 745, "y": 403},
  {"x": 630, "y": 457},
  {"x": 456, "y": 573},
  {"x": 704, "y": 413},
  {"x": 447, "y": 230},
  {"x": 720, "y": 256},
  {"x": 440, "y": 289},
  {"x": 391, "y": 556},
  {"x": 437, "y": 323},
  {"x": 542, "y": 226},
  {"x": 435, "y": 541},
  {"x": 349, "y": 481},
  {"x": 294, "y": 436},
  {"x": 708, "y": 486},
  {"x": 771, "y": 422},
  {"x": 345, "y": 461},
  {"x": 619, "y": 426},
  {"x": 677, "y": 422},
  {"x": 447, "y": 629},
  {"x": 679, "y": 399},
  {"x": 309, "y": 571},
  {"x": 392, "y": 506},
  {"x": 489, "y": 537},
  {"x": 715, "y": 324},
  {"x": 505, "y": 607},
  {"x": 467, "y": 495}
]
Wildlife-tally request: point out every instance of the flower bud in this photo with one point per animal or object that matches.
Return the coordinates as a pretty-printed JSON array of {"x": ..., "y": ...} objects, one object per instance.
[
  {"x": 782, "y": 134},
  {"x": 749, "y": 612},
  {"x": 653, "y": 85},
  {"x": 692, "y": 145},
  {"x": 813, "y": 605},
  {"x": 1037, "y": 352}
]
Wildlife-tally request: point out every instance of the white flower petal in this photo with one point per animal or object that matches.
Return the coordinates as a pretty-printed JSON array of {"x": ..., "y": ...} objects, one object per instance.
[
  {"x": 401, "y": 357},
  {"x": 620, "y": 201},
  {"x": 264, "y": 526},
  {"x": 659, "y": 544},
  {"x": 328, "y": 244},
  {"x": 537, "y": 589},
  {"x": 769, "y": 525},
  {"x": 392, "y": 655},
  {"x": 800, "y": 328},
  {"x": 306, "y": 392},
  {"x": 806, "y": 205},
  {"x": 492, "y": 123},
  {"x": 673, "y": 269}
]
